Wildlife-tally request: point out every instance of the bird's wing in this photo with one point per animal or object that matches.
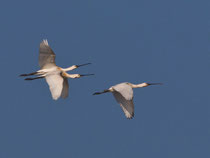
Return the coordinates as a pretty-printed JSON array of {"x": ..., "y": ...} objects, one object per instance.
[
  {"x": 65, "y": 91},
  {"x": 55, "y": 82},
  {"x": 126, "y": 105},
  {"x": 123, "y": 93},
  {"x": 46, "y": 54},
  {"x": 125, "y": 90}
]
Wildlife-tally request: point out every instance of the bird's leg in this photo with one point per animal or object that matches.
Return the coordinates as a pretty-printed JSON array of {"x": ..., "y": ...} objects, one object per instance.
[
  {"x": 30, "y": 74},
  {"x": 34, "y": 78},
  {"x": 40, "y": 72},
  {"x": 104, "y": 91},
  {"x": 74, "y": 75},
  {"x": 74, "y": 67}
]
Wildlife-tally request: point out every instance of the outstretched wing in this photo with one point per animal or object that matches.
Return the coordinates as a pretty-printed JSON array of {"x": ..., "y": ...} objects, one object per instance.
[
  {"x": 126, "y": 105},
  {"x": 55, "y": 83},
  {"x": 65, "y": 91},
  {"x": 46, "y": 54},
  {"x": 123, "y": 93}
]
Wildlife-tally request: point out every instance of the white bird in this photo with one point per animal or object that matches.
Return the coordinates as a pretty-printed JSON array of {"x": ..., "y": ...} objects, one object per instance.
[
  {"x": 123, "y": 94},
  {"x": 56, "y": 77}
]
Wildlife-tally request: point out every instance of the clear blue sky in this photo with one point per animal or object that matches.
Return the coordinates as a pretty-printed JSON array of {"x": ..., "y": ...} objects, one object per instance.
[{"x": 134, "y": 41}]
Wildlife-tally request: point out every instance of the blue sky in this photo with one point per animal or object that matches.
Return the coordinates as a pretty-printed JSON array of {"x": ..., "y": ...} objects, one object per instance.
[{"x": 133, "y": 41}]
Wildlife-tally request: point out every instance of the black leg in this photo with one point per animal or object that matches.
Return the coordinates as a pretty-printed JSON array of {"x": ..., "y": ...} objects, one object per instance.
[
  {"x": 105, "y": 91},
  {"x": 30, "y": 74},
  {"x": 29, "y": 79}
]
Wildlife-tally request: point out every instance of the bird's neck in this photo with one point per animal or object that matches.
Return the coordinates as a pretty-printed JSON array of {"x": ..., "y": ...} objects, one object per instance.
[
  {"x": 139, "y": 85},
  {"x": 69, "y": 68},
  {"x": 70, "y": 75}
]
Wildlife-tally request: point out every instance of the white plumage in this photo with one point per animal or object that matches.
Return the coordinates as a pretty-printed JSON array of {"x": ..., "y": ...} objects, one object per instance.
[
  {"x": 123, "y": 94},
  {"x": 55, "y": 83},
  {"x": 125, "y": 90},
  {"x": 55, "y": 76}
]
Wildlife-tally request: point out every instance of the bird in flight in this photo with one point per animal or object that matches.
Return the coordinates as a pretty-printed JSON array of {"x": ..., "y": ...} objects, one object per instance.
[
  {"x": 123, "y": 94},
  {"x": 56, "y": 77}
]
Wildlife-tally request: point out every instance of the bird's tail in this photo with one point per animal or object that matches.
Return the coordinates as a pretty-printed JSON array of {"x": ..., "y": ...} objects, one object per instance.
[{"x": 105, "y": 91}]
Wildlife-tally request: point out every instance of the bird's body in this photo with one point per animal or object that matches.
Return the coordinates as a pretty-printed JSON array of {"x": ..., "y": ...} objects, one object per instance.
[
  {"x": 56, "y": 77},
  {"x": 123, "y": 94}
]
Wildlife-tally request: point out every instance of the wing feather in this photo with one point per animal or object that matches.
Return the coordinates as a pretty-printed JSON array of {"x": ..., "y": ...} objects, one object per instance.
[
  {"x": 46, "y": 54},
  {"x": 65, "y": 91},
  {"x": 126, "y": 105},
  {"x": 55, "y": 82},
  {"x": 125, "y": 90}
]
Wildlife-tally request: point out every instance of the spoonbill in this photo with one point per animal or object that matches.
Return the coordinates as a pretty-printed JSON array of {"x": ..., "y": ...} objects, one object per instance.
[
  {"x": 123, "y": 94},
  {"x": 56, "y": 77}
]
